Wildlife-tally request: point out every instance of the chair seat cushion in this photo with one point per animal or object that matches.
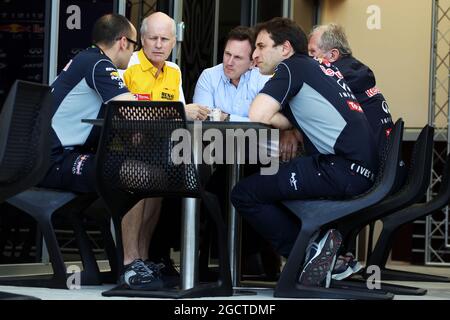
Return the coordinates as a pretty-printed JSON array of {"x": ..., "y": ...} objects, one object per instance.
[
  {"x": 41, "y": 199},
  {"x": 324, "y": 210}
]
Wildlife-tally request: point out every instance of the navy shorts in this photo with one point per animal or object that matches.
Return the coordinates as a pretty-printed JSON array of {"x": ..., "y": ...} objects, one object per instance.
[{"x": 72, "y": 171}]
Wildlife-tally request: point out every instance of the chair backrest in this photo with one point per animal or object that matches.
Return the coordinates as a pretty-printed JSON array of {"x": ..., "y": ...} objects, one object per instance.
[
  {"x": 24, "y": 137},
  {"x": 135, "y": 151},
  {"x": 389, "y": 162},
  {"x": 322, "y": 212},
  {"x": 420, "y": 165},
  {"x": 443, "y": 196},
  {"x": 416, "y": 183},
  {"x": 415, "y": 187}
]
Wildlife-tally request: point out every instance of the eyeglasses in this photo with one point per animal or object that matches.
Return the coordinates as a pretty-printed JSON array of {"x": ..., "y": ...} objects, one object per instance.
[{"x": 135, "y": 43}]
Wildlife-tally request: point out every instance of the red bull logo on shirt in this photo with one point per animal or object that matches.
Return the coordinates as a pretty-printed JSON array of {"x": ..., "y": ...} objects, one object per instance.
[
  {"x": 354, "y": 106},
  {"x": 78, "y": 165},
  {"x": 372, "y": 92}
]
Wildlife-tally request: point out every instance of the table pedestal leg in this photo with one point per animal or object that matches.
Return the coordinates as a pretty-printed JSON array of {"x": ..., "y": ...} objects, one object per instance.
[{"x": 189, "y": 244}]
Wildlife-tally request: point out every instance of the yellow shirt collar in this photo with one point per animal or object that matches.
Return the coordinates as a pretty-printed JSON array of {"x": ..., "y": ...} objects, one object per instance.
[{"x": 146, "y": 65}]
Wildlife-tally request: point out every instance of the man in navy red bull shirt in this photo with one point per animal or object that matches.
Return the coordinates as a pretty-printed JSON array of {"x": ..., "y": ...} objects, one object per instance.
[
  {"x": 82, "y": 90},
  {"x": 312, "y": 97},
  {"x": 330, "y": 42}
]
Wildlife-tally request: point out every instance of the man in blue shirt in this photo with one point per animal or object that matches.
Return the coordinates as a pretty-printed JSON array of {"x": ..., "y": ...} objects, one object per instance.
[
  {"x": 312, "y": 97},
  {"x": 232, "y": 85}
]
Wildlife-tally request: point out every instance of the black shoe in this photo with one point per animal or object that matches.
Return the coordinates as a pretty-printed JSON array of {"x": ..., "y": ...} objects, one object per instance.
[
  {"x": 141, "y": 276},
  {"x": 169, "y": 274}
]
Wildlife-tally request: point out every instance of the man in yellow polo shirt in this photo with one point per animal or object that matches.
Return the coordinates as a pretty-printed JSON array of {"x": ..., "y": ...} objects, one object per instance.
[
  {"x": 149, "y": 75},
  {"x": 151, "y": 83}
]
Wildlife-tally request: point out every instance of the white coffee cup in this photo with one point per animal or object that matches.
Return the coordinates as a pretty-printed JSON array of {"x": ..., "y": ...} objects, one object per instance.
[{"x": 215, "y": 114}]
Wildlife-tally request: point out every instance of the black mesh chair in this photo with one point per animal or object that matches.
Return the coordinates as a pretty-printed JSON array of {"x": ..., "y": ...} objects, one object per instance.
[
  {"x": 43, "y": 205},
  {"x": 134, "y": 162},
  {"x": 411, "y": 192},
  {"x": 324, "y": 214},
  {"x": 24, "y": 137},
  {"x": 25, "y": 156},
  {"x": 24, "y": 140},
  {"x": 395, "y": 221}
]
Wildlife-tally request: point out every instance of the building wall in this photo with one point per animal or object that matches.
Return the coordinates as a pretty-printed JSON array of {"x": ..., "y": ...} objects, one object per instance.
[
  {"x": 395, "y": 43},
  {"x": 304, "y": 13}
]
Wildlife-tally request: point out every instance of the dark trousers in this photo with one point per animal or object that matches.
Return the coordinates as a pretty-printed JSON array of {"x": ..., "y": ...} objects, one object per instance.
[{"x": 257, "y": 198}]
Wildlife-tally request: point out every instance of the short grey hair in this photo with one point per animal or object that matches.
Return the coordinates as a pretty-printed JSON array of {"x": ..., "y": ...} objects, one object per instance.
[
  {"x": 144, "y": 26},
  {"x": 333, "y": 37}
]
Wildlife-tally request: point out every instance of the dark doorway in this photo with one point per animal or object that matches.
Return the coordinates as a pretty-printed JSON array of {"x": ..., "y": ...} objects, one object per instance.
[{"x": 199, "y": 17}]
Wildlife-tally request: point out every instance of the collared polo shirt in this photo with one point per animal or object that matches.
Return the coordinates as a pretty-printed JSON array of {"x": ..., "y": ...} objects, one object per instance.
[{"x": 140, "y": 78}]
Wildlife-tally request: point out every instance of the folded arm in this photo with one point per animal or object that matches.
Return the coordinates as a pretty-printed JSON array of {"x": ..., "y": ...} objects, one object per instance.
[{"x": 266, "y": 109}]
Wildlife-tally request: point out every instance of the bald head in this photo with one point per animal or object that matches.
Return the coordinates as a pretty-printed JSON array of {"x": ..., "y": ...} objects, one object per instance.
[
  {"x": 158, "y": 37},
  {"x": 160, "y": 20}
]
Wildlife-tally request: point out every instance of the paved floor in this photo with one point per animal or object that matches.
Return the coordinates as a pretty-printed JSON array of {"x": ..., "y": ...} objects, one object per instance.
[{"x": 436, "y": 291}]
